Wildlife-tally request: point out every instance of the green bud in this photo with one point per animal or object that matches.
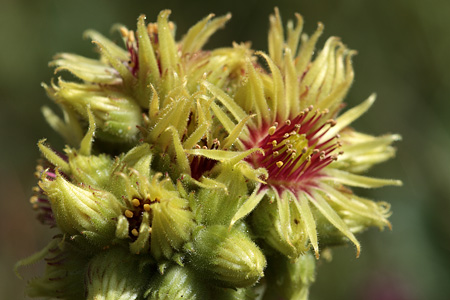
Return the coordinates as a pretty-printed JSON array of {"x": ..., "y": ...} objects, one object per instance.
[
  {"x": 116, "y": 114},
  {"x": 279, "y": 224},
  {"x": 80, "y": 209},
  {"x": 172, "y": 226},
  {"x": 114, "y": 275},
  {"x": 94, "y": 171},
  {"x": 64, "y": 272},
  {"x": 227, "y": 256},
  {"x": 176, "y": 283}
]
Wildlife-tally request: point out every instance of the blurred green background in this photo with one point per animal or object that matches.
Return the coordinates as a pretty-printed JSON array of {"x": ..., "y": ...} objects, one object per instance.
[{"x": 404, "y": 56}]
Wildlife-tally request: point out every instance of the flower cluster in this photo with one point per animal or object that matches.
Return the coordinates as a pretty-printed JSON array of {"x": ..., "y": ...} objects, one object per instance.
[{"x": 200, "y": 174}]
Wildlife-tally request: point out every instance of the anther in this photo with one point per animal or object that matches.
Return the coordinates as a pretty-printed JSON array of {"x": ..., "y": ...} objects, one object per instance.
[
  {"x": 33, "y": 199},
  {"x": 131, "y": 36},
  {"x": 134, "y": 232},
  {"x": 128, "y": 213},
  {"x": 147, "y": 207},
  {"x": 331, "y": 122},
  {"x": 123, "y": 31},
  {"x": 136, "y": 202},
  {"x": 272, "y": 130},
  {"x": 279, "y": 164},
  {"x": 288, "y": 122},
  {"x": 304, "y": 149},
  {"x": 286, "y": 135},
  {"x": 274, "y": 143},
  {"x": 276, "y": 153}
]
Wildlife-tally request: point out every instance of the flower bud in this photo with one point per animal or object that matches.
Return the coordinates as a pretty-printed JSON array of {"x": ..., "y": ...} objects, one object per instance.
[
  {"x": 176, "y": 283},
  {"x": 116, "y": 114},
  {"x": 114, "y": 275},
  {"x": 172, "y": 226},
  {"x": 64, "y": 272},
  {"x": 80, "y": 209},
  {"x": 280, "y": 225},
  {"x": 228, "y": 257},
  {"x": 92, "y": 170}
]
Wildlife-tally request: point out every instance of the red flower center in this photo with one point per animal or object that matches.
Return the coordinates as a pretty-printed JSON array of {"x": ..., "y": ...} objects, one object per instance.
[{"x": 295, "y": 152}]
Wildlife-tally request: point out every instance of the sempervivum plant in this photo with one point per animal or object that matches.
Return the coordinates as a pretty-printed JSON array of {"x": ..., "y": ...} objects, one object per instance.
[{"x": 202, "y": 174}]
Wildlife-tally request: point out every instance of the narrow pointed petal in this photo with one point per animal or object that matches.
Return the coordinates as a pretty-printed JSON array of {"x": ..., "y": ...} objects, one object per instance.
[
  {"x": 308, "y": 220},
  {"x": 322, "y": 205},
  {"x": 359, "y": 180}
]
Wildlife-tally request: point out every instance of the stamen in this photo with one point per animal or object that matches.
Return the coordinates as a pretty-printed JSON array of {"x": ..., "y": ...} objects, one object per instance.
[{"x": 128, "y": 213}]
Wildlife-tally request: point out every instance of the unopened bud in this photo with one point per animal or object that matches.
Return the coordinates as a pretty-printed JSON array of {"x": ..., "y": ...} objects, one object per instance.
[
  {"x": 229, "y": 257},
  {"x": 172, "y": 226},
  {"x": 116, "y": 114},
  {"x": 82, "y": 210},
  {"x": 114, "y": 275},
  {"x": 91, "y": 170},
  {"x": 176, "y": 283},
  {"x": 287, "y": 236}
]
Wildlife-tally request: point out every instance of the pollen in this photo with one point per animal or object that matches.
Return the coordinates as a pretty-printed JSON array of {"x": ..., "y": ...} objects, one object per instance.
[{"x": 129, "y": 214}]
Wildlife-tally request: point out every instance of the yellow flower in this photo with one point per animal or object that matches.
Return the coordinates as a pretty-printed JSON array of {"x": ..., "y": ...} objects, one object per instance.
[{"x": 296, "y": 122}]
